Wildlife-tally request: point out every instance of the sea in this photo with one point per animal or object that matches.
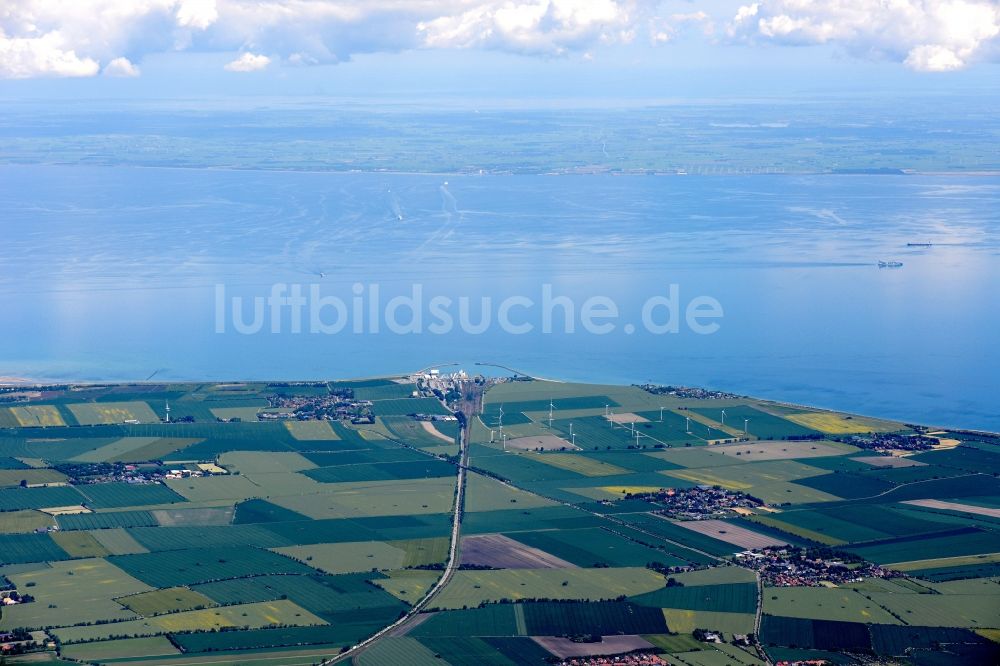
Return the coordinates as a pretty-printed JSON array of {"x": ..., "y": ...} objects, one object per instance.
[{"x": 126, "y": 273}]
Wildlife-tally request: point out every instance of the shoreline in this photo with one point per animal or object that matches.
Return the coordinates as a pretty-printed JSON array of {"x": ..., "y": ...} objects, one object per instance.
[
  {"x": 591, "y": 170},
  {"x": 14, "y": 382}
]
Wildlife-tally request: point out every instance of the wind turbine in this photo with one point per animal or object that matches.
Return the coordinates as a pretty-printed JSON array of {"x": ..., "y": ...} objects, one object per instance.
[
  {"x": 500, "y": 421},
  {"x": 550, "y": 413},
  {"x": 491, "y": 436},
  {"x": 168, "y": 411},
  {"x": 661, "y": 414},
  {"x": 688, "y": 425},
  {"x": 606, "y": 410},
  {"x": 745, "y": 422},
  {"x": 637, "y": 433},
  {"x": 723, "y": 417},
  {"x": 572, "y": 436}
]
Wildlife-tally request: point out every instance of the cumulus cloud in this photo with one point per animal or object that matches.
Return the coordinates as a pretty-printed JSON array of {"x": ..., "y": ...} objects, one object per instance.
[
  {"x": 87, "y": 37},
  {"x": 248, "y": 62},
  {"x": 926, "y": 35},
  {"x": 45, "y": 38},
  {"x": 531, "y": 26},
  {"x": 45, "y": 55},
  {"x": 122, "y": 67}
]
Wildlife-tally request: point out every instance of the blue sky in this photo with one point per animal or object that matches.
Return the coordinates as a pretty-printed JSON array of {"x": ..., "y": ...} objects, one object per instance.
[{"x": 513, "y": 49}]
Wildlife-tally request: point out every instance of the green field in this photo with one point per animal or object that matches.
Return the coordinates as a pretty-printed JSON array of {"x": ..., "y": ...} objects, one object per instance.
[
  {"x": 71, "y": 592},
  {"x": 118, "y": 495},
  {"x": 485, "y": 494},
  {"x": 263, "y": 614},
  {"x": 406, "y": 406},
  {"x": 824, "y": 603},
  {"x": 30, "y": 477},
  {"x": 594, "y": 547},
  {"x": 375, "y": 498},
  {"x": 183, "y": 567},
  {"x": 725, "y": 598},
  {"x": 471, "y": 588},
  {"x": 108, "y": 520},
  {"x": 13, "y": 499},
  {"x": 20, "y": 548},
  {"x": 113, "y": 412},
  {"x": 14, "y": 522},
  {"x": 79, "y": 544},
  {"x": 168, "y": 600},
  {"x": 153, "y": 646},
  {"x": 760, "y": 424}
]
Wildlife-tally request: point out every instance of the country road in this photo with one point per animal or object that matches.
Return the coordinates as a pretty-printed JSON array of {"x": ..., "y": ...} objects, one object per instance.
[{"x": 469, "y": 408}]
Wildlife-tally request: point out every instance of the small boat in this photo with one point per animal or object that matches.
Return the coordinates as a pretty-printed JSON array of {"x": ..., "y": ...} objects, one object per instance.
[
  {"x": 890, "y": 264},
  {"x": 919, "y": 244}
]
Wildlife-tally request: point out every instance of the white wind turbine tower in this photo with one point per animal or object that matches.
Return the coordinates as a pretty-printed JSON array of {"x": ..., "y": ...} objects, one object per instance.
[
  {"x": 745, "y": 422},
  {"x": 688, "y": 425},
  {"x": 723, "y": 417},
  {"x": 500, "y": 421},
  {"x": 168, "y": 411},
  {"x": 661, "y": 414},
  {"x": 550, "y": 413}
]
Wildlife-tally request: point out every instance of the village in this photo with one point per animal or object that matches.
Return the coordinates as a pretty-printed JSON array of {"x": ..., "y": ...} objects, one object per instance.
[
  {"x": 788, "y": 566},
  {"x": 891, "y": 442},
  {"x": 699, "y": 503}
]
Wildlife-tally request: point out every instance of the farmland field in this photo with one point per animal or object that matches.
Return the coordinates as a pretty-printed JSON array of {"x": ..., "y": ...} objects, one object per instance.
[
  {"x": 18, "y": 548},
  {"x": 117, "y": 495},
  {"x": 153, "y": 646},
  {"x": 471, "y": 588},
  {"x": 760, "y": 424},
  {"x": 254, "y": 615},
  {"x": 108, "y": 520},
  {"x": 592, "y": 547},
  {"x": 113, "y": 412},
  {"x": 725, "y": 598},
  {"x": 37, "y": 415},
  {"x": 306, "y": 537},
  {"x": 824, "y": 603},
  {"x": 405, "y": 406},
  {"x": 168, "y": 600},
  {"x": 311, "y": 431},
  {"x": 14, "y": 522},
  {"x": 76, "y": 591},
  {"x": 172, "y": 568}
]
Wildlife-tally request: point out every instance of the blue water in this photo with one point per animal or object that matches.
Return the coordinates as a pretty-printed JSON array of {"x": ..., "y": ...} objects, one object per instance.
[{"x": 110, "y": 273}]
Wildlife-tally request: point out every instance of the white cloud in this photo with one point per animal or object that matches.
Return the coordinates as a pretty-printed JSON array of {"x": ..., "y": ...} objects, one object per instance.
[
  {"x": 531, "y": 26},
  {"x": 122, "y": 67},
  {"x": 84, "y": 37},
  {"x": 46, "y": 37},
  {"x": 248, "y": 62},
  {"x": 44, "y": 55},
  {"x": 926, "y": 35},
  {"x": 198, "y": 14}
]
